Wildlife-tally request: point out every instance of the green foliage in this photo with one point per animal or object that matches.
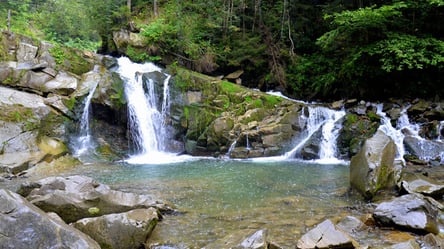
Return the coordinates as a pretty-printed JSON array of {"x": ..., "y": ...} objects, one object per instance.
[
  {"x": 70, "y": 59},
  {"x": 402, "y": 52}
]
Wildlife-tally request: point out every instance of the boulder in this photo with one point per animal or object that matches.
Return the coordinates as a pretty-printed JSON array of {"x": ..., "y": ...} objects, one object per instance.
[
  {"x": 22, "y": 225},
  {"x": 326, "y": 235},
  {"x": 418, "y": 183},
  {"x": 26, "y": 52},
  {"x": 424, "y": 149},
  {"x": 120, "y": 231},
  {"x": 373, "y": 168},
  {"x": 73, "y": 198},
  {"x": 411, "y": 212},
  {"x": 63, "y": 84},
  {"x": 14, "y": 163},
  {"x": 245, "y": 239}
]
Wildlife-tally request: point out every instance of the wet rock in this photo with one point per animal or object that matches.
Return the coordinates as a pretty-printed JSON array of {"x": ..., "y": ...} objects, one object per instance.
[
  {"x": 432, "y": 241},
  {"x": 422, "y": 148},
  {"x": 245, "y": 239},
  {"x": 73, "y": 197},
  {"x": 351, "y": 224},
  {"x": 411, "y": 212},
  {"x": 22, "y": 225},
  {"x": 418, "y": 183},
  {"x": 120, "y": 231},
  {"x": 326, "y": 235},
  {"x": 373, "y": 168},
  {"x": 411, "y": 244}
]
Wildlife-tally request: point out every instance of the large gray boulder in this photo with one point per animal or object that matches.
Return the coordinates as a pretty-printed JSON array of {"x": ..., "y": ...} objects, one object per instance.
[
  {"x": 127, "y": 230},
  {"x": 22, "y": 225},
  {"x": 77, "y": 197},
  {"x": 424, "y": 149},
  {"x": 373, "y": 168},
  {"x": 326, "y": 235},
  {"x": 411, "y": 212}
]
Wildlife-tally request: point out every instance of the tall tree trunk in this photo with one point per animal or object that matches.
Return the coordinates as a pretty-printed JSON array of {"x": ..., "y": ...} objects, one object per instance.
[
  {"x": 128, "y": 4},
  {"x": 156, "y": 12},
  {"x": 9, "y": 20}
]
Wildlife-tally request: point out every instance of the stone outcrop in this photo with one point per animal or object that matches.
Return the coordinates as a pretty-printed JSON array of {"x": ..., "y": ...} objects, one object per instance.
[
  {"x": 373, "y": 168},
  {"x": 22, "y": 225},
  {"x": 326, "y": 235},
  {"x": 411, "y": 212},
  {"x": 120, "y": 231},
  {"x": 77, "y": 197}
]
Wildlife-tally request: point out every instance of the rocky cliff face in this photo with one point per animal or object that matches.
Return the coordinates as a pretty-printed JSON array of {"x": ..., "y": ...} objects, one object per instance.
[{"x": 42, "y": 87}]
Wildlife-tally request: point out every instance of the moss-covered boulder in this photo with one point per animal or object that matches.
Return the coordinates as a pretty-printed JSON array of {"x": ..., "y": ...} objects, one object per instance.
[
  {"x": 373, "y": 168},
  {"x": 216, "y": 115}
]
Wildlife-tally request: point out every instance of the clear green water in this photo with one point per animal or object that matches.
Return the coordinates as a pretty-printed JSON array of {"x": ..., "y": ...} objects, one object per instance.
[{"x": 220, "y": 197}]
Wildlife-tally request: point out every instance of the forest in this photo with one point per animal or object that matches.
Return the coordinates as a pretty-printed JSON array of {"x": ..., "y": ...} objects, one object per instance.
[{"x": 308, "y": 49}]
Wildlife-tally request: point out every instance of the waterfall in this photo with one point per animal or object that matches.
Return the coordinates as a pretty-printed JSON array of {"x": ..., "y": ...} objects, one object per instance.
[
  {"x": 83, "y": 143},
  {"x": 146, "y": 120},
  {"x": 330, "y": 133},
  {"x": 325, "y": 119},
  {"x": 395, "y": 133}
]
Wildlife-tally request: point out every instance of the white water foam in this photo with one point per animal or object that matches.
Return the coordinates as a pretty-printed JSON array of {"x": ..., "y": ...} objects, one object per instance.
[{"x": 326, "y": 119}]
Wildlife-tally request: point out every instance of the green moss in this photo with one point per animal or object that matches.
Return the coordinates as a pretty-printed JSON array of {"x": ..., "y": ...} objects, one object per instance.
[
  {"x": 271, "y": 101},
  {"x": 50, "y": 126},
  {"x": 70, "y": 60},
  {"x": 70, "y": 103},
  {"x": 118, "y": 97},
  {"x": 229, "y": 87},
  {"x": 373, "y": 117},
  {"x": 21, "y": 114}
]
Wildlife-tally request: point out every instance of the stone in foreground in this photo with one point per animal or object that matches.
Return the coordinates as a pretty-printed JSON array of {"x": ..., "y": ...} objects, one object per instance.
[
  {"x": 373, "y": 168},
  {"x": 22, "y": 225},
  {"x": 326, "y": 235},
  {"x": 120, "y": 231},
  {"x": 77, "y": 197},
  {"x": 410, "y": 212}
]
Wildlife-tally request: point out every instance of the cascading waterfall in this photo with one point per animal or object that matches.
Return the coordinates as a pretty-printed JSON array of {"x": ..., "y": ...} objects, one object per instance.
[
  {"x": 395, "y": 133},
  {"x": 146, "y": 122},
  {"x": 325, "y": 119},
  {"x": 83, "y": 143}
]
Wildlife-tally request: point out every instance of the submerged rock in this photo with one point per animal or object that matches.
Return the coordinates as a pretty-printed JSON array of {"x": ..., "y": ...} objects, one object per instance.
[
  {"x": 22, "y": 225},
  {"x": 326, "y": 235},
  {"x": 373, "y": 168},
  {"x": 245, "y": 239},
  {"x": 120, "y": 231},
  {"x": 73, "y": 198},
  {"x": 411, "y": 212}
]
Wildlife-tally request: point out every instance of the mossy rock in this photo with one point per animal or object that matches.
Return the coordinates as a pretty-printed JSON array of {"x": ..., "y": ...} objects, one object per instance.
[
  {"x": 356, "y": 129},
  {"x": 71, "y": 60}
]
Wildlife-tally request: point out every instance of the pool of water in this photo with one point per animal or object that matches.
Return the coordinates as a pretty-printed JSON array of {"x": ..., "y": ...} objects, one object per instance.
[{"x": 216, "y": 197}]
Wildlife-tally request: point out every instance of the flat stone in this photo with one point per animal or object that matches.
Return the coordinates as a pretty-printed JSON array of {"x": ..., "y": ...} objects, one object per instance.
[{"x": 325, "y": 235}]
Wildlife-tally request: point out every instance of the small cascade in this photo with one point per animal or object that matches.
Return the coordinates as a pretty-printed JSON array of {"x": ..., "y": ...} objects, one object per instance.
[
  {"x": 146, "y": 118},
  {"x": 232, "y": 146},
  {"x": 330, "y": 133},
  {"x": 325, "y": 119},
  {"x": 84, "y": 143},
  {"x": 440, "y": 130},
  {"x": 395, "y": 133}
]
